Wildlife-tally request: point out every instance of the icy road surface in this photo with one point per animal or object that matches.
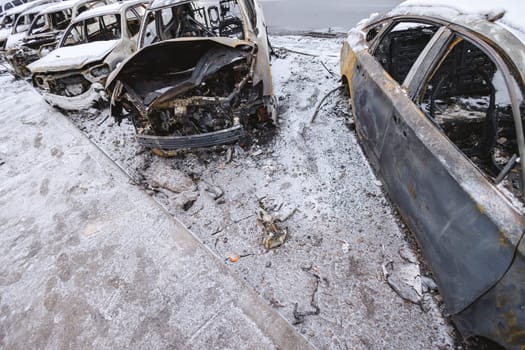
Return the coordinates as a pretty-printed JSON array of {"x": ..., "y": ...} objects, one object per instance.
[{"x": 343, "y": 236}]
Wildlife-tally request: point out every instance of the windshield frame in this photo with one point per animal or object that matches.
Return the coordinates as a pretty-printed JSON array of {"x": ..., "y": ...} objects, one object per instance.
[
  {"x": 83, "y": 34},
  {"x": 212, "y": 30}
]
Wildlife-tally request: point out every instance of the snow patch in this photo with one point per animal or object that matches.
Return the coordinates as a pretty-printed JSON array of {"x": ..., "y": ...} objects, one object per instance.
[
  {"x": 74, "y": 56},
  {"x": 512, "y": 18},
  {"x": 357, "y": 37}
]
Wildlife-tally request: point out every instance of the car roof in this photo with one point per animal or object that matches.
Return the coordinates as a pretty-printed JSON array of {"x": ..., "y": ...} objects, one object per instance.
[
  {"x": 35, "y": 9},
  {"x": 108, "y": 9},
  {"x": 451, "y": 10},
  {"x": 63, "y": 5},
  {"x": 156, "y": 4},
  {"x": 506, "y": 31},
  {"x": 24, "y": 7}
]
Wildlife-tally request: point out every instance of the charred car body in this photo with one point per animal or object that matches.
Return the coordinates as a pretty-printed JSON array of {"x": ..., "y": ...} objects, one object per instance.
[
  {"x": 437, "y": 95},
  {"x": 202, "y": 74},
  {"x": 44, "y": 33},
  {"x": 72, "y": 77}
]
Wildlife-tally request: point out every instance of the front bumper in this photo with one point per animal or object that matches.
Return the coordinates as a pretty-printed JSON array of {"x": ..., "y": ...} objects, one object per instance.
[
  {"x": 170, "y": 143},
  {"x": 86, "y": 100}
]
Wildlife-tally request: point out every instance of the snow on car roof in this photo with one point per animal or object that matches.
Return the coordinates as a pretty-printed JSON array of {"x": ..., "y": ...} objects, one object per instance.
[
  {"x": 108, "y": 9},
  {"x": 35, "y": 9},
  {"x": 21, "y": 8},
  {"x": 64, "y": 5},
  {"x": 512, "y": 19},
  {"x": 155, "y": 4}
]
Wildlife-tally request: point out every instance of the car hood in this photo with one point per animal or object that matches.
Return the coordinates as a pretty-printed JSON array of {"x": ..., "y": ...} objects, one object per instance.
[
  {"x": 74, "y": 57},
  {"x": 159, "y": 72},
  {"x": 153, "y": 53}
]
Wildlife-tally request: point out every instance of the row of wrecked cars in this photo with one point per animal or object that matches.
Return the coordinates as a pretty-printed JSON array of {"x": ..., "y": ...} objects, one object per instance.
[
  {"x": 186, "y": 73},
  {"x": 437, "y": 91}
]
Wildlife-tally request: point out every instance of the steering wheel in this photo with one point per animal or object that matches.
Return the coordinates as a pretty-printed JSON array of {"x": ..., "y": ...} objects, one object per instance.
[{"x": 231, "y": 27}]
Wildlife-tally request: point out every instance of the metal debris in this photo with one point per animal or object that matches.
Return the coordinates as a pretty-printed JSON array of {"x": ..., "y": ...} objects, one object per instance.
[
  {"x": 299, "y": 316},
  {"x": 295, "y": 51},
  {"x": 405, "y": 280},
  {"x": 274, "y": 236},
  {"x": 322, "y": 101},
  {"x": 328, "y": 70}
]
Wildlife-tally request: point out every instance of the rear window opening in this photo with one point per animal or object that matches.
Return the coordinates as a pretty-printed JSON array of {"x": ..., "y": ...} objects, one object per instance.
[
  {"x": 101, "y": 28},
  {"x": 194, "y": 19},
  {"x": 468, "y": 99}
]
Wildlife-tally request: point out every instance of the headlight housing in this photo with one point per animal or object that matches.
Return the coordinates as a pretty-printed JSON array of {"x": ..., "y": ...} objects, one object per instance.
[{"x": 99, "y": 71}]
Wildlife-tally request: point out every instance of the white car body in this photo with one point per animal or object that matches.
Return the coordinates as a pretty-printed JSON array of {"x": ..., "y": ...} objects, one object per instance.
[
  {"x": 44, "y": 33},
  {"x": 72, "y": 77},
  {"x": 10, "y": 16}
]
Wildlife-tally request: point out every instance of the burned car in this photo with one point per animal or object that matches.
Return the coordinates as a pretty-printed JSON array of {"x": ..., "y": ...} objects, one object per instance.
[
  {"x": 437, "y": 95},
  {"x": 201, "y": 76},
  {"x": 21, "y": 26},
  {"x": 43, "y": 34},
  {"x": 9, "y": 4},
  {"x": 72, "y": 77},
  {"x": 10, "y": 17}
]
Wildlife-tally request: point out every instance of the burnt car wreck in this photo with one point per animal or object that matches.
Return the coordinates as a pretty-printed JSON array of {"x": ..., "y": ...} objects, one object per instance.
[
  {"x": 437, "y": 94},
  {"x": 200, "y": 78},
  {"x": 72, "y": 77},
  {"x": 45, "y": 32}
]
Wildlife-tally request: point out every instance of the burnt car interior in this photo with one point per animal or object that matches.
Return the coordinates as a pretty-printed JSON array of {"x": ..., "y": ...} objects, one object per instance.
[
  {"x": 195, "y": 19},
  {"x": 199, "y": 84},
  {"x": 466, "y": 98},
  {"x": 23, "y": 22},
  {"x": 399, "y": 48},
  {"x": 100, "y": 28},
  {"x": 55, "y": 21},
  {"x": 40, "y": 33}
]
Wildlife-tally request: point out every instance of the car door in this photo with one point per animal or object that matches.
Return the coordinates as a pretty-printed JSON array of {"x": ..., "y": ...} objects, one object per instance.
[{"x": 468, "y": 230}]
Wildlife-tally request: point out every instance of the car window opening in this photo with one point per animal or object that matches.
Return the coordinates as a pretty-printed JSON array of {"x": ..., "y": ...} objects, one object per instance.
[
  {"x": 133, "y": 19},
  {"x": 194, "y": 19},
  {"x": 400, "y": 47},
  {"x": 101, "y": 28},
  {"x": 468, "y": 100}
]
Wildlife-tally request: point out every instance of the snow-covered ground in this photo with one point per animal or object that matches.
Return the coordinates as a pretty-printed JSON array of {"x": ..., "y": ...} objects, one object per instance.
[{"x": 343, "y": 235}]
